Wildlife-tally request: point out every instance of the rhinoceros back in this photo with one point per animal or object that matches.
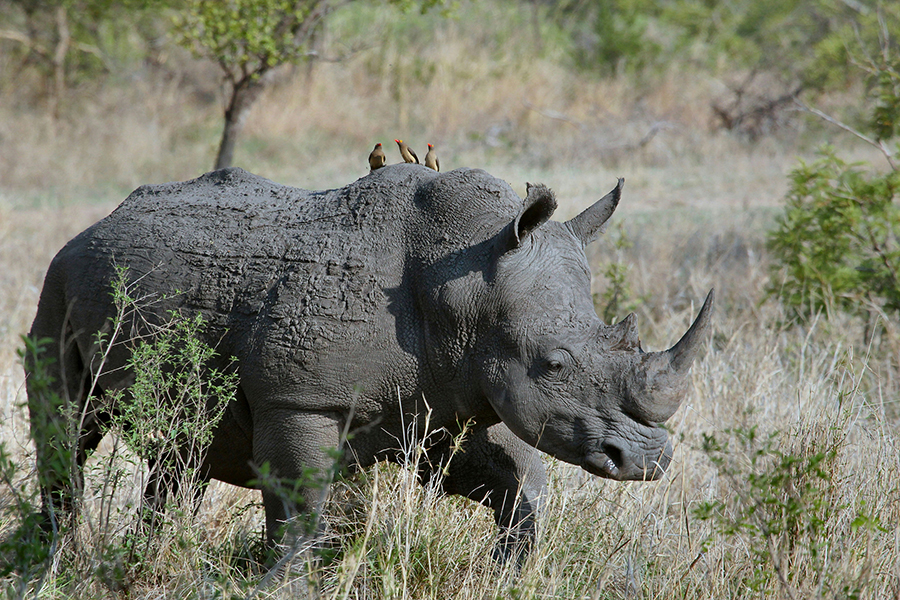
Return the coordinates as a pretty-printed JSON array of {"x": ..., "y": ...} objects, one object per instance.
[{"x": 280, "y": 268}]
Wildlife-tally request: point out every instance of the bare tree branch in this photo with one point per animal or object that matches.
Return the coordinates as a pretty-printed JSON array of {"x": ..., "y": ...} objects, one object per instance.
[
  {"x": 17, "y": 36},
  {"x": 877, "y": 144},
  {"x": 555, "y": 115}
]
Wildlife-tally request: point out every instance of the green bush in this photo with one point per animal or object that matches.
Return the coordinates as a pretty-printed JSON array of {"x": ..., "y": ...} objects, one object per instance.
[
  {"x": 610, "y": 37},
  {"x": 166, "y": 419},
  {"x": 837, "y": 245}
]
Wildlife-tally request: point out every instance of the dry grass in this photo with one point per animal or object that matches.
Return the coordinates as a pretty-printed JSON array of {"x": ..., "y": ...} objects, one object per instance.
[{"x": 696, "y": 205}]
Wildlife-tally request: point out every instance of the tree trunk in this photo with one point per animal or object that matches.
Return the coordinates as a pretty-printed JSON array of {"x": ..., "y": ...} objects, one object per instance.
[
  {"x": 243, "y": 94},
  {"x": 59, "y": 60}
]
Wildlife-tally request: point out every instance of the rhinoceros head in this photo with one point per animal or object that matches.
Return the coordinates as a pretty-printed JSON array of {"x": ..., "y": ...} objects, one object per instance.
[{"x": 562, "y": 380}]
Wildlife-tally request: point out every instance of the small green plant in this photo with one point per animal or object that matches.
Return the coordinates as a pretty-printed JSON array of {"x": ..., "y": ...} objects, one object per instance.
[
  {"x": 23, "y": 545},
  {"x": 618, "y": 298},
  {"x": 782, "y": 504}
]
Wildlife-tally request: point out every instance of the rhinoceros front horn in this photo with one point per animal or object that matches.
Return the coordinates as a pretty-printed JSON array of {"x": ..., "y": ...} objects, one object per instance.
[
  {"x": 666, "y": 373},
  {"x": 590, "y": 222},
  {"x": 682, "y": 354}
]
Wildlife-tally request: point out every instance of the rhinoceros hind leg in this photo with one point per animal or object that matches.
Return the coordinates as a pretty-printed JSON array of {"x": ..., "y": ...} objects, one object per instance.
[
  {"x": 296, "y": 452},
  {"x": 65, "y": 424},
  {"x": 497, "y": 469},
  {"x": 163, "y": 484}
]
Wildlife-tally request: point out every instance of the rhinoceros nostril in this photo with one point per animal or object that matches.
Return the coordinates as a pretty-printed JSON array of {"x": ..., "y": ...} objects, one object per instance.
[{"x": 614, "y": 453}]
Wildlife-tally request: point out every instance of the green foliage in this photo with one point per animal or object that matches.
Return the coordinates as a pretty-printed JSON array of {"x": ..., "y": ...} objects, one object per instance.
[
  {"x": 23, "y": 545},
  {"x": 248, "y": 36},
  {"x": 836, "y": 246},
  {"x": 797, "y": 40},
  {"x": 175, "y": 398},
  {"x": 884, "y": 87},
  {"x": 800, "y": 42},
  {"x": 168, "y": 415},
  {"x": 610, "y": 37},
  {"x": 166, "y": 418},
  {"x": 764, "y": 34}
]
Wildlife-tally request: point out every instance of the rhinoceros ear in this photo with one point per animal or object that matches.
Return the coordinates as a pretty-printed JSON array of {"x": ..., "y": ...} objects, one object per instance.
[
  {"x": 537, "y": 208},
  {"x": 589, "y": 223}
]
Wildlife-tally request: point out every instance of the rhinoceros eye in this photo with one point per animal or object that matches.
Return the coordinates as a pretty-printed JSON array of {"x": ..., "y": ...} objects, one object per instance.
[{"x": 557, "y": 363}]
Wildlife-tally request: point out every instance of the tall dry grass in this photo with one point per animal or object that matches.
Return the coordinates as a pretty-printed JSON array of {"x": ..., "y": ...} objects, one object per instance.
[{"x": 695, "y": 207}]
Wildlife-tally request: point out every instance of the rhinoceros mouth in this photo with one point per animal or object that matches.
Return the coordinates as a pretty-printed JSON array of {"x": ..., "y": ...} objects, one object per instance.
[
  {"x": 610, "y": 462},
  {"x": 601, "y": 465}
]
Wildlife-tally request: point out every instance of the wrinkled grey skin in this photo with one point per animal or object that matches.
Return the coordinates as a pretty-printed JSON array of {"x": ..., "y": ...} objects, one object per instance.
[{"x": 358, "y": 303}]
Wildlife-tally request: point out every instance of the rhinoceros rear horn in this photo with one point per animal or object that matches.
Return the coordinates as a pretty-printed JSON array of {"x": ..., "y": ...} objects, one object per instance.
[
  {"x": 590, "y": 222},
  {"x": 624, "y": 334},
  {"x": 537, "y": 209}
]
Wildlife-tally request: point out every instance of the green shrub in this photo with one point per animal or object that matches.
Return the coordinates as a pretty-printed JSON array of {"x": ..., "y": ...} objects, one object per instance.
[
  {"x": 166, "y": 419},
  {"x": 837, "y": 246},
  {"x": 610, "y": 37}
]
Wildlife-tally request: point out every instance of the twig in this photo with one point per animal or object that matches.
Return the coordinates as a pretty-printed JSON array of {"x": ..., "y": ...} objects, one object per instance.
[
  {"x": 555, "y": 115},
  {"x": 692, "y": 565},
  {"x": 877, "y": 144},
  {"x": 16, "y": 36}
]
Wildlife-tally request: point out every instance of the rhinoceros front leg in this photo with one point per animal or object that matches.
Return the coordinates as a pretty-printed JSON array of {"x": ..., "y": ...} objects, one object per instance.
[
  {"x": 496, "y": 468},
  {"x": 296, "y": 454}
]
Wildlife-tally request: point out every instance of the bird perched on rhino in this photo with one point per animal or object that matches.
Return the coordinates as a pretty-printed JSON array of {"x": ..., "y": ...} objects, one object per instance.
[
  {"x": 407, "y": 153},
  {"x": 377, "y": 157},
  {"x": 431, "y": 159}
]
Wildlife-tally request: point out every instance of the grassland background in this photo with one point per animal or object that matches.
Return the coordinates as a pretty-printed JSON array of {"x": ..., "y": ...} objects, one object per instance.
[{"x": 696, "y": 206}]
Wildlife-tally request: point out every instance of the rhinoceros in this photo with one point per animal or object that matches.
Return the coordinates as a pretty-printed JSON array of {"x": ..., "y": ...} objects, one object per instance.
[{"x": 350, "y": 310}]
